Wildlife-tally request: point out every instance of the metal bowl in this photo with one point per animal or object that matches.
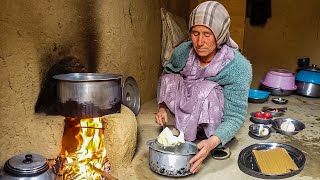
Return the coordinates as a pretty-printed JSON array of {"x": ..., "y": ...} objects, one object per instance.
[
  {"x": 259, "y": 120},
  {"x": 276, "y": 92},
  {"x": 257, "y": 100},
  {"x": 173, "y": 162},
  {"x": 255, "y": 129},
  {"x": 275, "y": 112},
  {"x": 279, "y": 100},
  {"x": 299, "y": 126}
]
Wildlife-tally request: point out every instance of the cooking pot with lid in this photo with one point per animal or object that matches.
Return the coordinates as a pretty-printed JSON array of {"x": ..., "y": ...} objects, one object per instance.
[{"x": 27, "y": 167}]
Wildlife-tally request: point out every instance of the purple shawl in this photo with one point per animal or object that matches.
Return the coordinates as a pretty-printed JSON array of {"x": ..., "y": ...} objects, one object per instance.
[{"x": 193, "y": 100}]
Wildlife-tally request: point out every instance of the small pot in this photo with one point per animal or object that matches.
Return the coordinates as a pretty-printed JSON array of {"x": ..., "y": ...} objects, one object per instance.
[
  {"x": 172, "y": 162},
  {"x": 28, "y": 167}
]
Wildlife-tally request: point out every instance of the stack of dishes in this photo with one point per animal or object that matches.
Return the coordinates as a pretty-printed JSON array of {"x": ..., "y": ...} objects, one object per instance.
[{"x": 260, "y": 129}]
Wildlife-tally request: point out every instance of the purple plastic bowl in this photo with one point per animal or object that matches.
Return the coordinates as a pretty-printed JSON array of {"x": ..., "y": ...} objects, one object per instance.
[{"x": 280, "y": 79}]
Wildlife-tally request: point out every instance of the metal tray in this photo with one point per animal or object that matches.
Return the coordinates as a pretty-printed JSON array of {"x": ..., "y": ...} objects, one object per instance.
[{"x": 248, "y": 164}]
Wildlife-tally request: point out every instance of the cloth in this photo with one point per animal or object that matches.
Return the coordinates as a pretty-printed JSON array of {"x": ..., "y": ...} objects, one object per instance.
[
  {"x": 259, "y": 11},
  {"x": 193, "y": 100},
  {"x": 174, "y": 32},
  {"x": 235, "y": 79},
  {"x": 214, "y": 16}
]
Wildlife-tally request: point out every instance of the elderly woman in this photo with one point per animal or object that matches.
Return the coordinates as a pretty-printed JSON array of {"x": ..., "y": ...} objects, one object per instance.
[{"x": 205, "y": 83}]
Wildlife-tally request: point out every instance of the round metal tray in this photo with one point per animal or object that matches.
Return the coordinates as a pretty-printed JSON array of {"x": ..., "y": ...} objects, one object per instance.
[{"x": 248, "y": 164}]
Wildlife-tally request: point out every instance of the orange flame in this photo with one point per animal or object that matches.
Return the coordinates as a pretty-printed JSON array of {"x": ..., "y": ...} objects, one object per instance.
[{"x": 91, "y": 151}]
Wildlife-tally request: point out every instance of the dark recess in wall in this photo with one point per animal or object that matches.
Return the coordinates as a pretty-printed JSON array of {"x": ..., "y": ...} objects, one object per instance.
[{"x": 48, "y": 101}]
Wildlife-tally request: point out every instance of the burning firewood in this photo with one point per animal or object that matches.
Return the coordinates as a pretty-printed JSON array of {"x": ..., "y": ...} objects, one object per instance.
[{"x": 102, "y": 173}]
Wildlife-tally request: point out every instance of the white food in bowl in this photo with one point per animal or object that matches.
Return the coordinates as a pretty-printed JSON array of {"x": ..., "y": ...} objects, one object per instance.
[
  {"x": 263, "y": 131},
  {"x": 166, "y": 138},
  {"x": 287, "y": 126}
]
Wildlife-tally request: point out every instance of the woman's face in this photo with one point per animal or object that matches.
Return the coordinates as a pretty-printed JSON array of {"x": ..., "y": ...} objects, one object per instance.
[{"x": 204, "y": 42}]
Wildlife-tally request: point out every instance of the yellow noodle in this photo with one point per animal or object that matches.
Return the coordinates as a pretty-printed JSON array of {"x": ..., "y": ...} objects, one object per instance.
[{"x": 274, "y": 161}]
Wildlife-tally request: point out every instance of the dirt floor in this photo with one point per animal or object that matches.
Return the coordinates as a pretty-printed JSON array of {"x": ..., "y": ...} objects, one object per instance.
[{"x": 304, "y": 109}]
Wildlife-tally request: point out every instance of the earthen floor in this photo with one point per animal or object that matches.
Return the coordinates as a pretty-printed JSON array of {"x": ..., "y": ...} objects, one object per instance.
[{"x": 304, "y": 109}]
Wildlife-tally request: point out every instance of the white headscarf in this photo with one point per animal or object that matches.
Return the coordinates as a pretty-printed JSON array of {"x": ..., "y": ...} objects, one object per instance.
[{"x": 214, "y": 16}]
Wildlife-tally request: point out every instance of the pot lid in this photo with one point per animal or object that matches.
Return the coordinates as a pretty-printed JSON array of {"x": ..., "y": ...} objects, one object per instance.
[
  {"x": 26, "y": 165},
  {"x": 313, "y": 68},
  {"x": 85, "y": 77},
  {"x": 131, "y": 94}
]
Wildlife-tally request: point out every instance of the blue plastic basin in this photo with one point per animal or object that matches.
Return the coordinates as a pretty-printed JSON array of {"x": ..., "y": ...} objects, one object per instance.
[{"x": 258, "y": 94}]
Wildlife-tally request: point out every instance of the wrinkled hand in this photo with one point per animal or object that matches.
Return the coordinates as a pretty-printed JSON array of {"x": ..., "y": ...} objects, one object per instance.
[
  {"x": 162, "y": 116},
  {"x": 205, "y": 146}
]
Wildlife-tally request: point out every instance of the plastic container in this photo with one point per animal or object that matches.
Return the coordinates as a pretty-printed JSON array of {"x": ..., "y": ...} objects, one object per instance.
[
  {"x": 308, "y": 76},
  {"x": 280, "y": 79},
  {"x": 258, "y": 94}
]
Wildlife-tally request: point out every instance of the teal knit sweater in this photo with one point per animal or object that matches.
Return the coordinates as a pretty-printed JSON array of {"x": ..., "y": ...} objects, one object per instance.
[{"x": 235, "y": 78}]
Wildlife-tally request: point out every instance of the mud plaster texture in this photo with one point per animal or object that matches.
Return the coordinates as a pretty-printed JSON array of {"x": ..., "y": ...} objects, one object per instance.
[
  {"x": 120, "y": 133},
  {"x": 304, "y": 109},
  {"x": 108, "y": 36}
]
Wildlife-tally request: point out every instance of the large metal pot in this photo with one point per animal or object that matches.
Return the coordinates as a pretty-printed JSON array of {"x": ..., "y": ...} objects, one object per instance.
[
  {"x": 308, "y": 89},
  {"x": 27, "y": 167},
  {"x": 88, "y": 95},
  {"x": 170, "y": 161},
  {"x": 308, "y": 81}
]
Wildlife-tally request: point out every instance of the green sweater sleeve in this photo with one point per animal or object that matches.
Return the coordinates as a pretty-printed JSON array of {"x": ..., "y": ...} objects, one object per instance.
[{"x": 235, "y": 78}]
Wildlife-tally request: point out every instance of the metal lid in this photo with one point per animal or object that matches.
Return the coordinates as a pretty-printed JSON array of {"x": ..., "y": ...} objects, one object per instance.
[
  {"x": 313, "y": 68},
  {"x": 131, "y": 94},
  {"x": 26, "y": 165},
  {"x": 85, "y": 77}
]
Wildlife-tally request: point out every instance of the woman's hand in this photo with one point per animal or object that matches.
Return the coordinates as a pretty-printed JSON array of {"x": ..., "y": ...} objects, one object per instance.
[
  {"x": 162, "y": 116},
  {"x": 205, "y": 146}
]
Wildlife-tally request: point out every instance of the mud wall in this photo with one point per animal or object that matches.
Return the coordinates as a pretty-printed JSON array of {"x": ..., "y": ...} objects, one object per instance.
[{"x": 106, "y": 36}]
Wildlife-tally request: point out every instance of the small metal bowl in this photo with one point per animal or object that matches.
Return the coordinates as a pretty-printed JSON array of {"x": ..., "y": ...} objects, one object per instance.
[
  {"x": 260, "y": 120},
  {"x": 275, "y": 112},
  {"x": 255, "y": 129},
  {"x": 279, "y": 100},
  {"x": 299, "y": 126},
  {"x": 257, "y": 100}
]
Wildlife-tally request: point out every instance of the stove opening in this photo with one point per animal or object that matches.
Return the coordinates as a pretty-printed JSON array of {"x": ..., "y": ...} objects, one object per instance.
[{"x": 83, "y": 153}]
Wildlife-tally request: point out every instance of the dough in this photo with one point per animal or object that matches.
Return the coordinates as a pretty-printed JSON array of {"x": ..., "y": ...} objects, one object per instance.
[
  {"x": 287, "y": 126},
  {"x": 166, "y": 138}
]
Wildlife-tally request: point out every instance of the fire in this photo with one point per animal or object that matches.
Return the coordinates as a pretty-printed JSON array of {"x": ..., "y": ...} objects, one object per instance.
[{"x": 90, "y": 155}]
